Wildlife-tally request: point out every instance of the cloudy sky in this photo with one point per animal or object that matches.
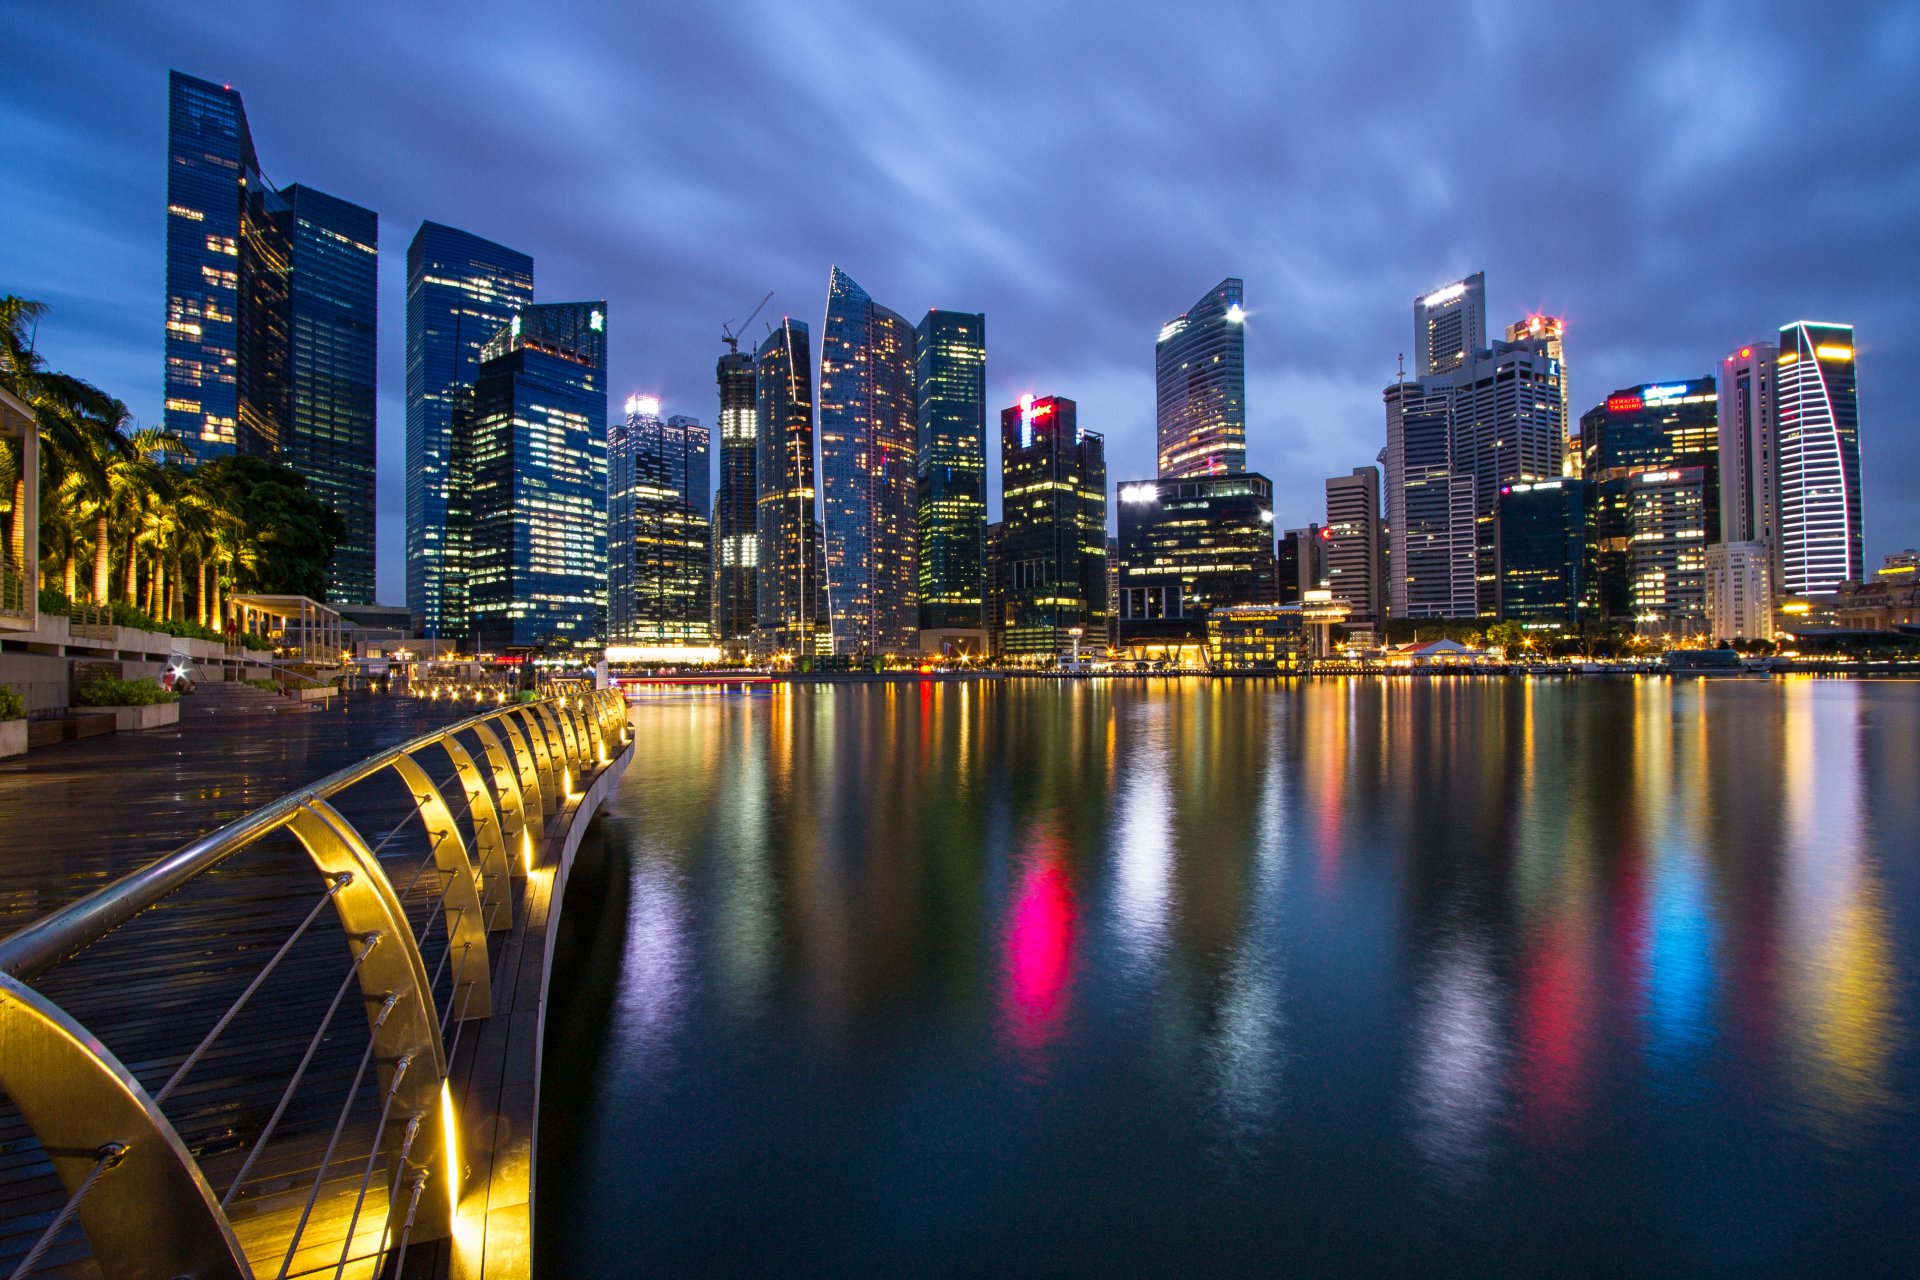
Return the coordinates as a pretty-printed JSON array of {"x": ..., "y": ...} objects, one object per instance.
[{"x": 1675, "y": 179}]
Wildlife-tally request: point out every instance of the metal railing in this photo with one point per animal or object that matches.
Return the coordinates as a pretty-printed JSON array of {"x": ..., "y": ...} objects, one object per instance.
[{"x": 139, "y": 1164}]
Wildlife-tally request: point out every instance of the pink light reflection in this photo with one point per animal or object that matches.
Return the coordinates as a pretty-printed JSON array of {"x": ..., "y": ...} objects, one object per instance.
[{"x": 1039, "y": 953}]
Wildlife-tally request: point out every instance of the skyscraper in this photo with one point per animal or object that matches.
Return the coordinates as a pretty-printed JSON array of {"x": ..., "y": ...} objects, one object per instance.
[
  {"x": 868, "y": 436},
  {"x": 1506, "y": 427},
  {"x": 790, "y": 604},
  {"x": 1668, "y": 526},
  {"x": 659, "y": 537},
  {"x": 1449, "y": 325},
  {"x": 1659, "y": 426},
  {"x": 1300, "y": 564},
  {"x": 1200, "y": 377},
  {"x": 1552, "y": 330},
  {"x": 461, "y": 291},
  {"x": 1748, "y": 437},
  {"x": 1545, "y": 537},
  {"x": 1821, "y": 538},
  {"x": 333, "y": 353},
  {"x": 1053, "y": 548},
  {"x": 736, "y": 547},
  {"x": 271, "y": 333},
  {"x": 1739, "y": 590},
  {"x": 1430, "y": 507},
  {"x": 537, "y": 570},
  {"x": 950, "y": 503},
  {"x": 1356, "y": 572},
  {"x": 1187, "y": 546}
]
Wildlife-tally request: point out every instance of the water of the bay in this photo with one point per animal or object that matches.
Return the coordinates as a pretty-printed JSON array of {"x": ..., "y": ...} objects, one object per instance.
[{"x": 1243, "y": 977}]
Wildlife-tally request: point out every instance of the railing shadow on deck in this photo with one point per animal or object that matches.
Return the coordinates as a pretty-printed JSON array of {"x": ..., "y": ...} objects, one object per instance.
[{"x": 187, "y": 1090}]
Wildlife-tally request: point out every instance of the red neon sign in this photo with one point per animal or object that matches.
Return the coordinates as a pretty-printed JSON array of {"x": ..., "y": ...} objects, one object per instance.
[
  {"x": 1041, "y": 410},
  {"x": 1625, "y": 404}
]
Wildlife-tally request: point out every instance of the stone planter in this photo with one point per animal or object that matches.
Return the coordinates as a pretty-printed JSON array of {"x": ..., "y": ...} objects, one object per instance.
[
  {"x": 13, "y": 738},
  {"x": 151, "y": 716}
]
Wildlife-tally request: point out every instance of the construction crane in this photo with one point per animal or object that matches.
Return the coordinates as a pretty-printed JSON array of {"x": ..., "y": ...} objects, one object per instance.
[{"x": 730, "y": 333}]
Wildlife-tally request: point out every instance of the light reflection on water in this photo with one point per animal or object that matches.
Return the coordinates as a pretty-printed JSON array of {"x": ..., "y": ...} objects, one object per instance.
[{"x": 1172, "y": 976}]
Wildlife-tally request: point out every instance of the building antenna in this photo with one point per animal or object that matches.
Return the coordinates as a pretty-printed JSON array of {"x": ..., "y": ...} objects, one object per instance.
[{"x": 1402, "y": 358}]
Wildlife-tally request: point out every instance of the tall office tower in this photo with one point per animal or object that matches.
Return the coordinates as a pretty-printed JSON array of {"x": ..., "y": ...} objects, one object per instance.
[
  {"x": 333, "y": 353},
  {"x": 1053, "y": 500},
  {"x": 1200, "y": 379},
  {"x": 1300, "y": 564},
  {"x": 659, "y": 539},
  {"x": 1545, "y": 537},
  {"x": 736, "y": 546},
  {"x": 271, "y": 318},
  {"x": 950, "y": 504},
  {"x": 1821, "y": 538},
  {"x": 1505, "y": 406},
  {"x": 1668, "y": 523},
  {"x": 869, "y": 433},
  {"x": 1659, "y": 426},
  {"x": 1187, "y": 546},
  {"x": 1552, "y": 330},
  {"x": 1430, "y": 507},
  {"x": 1739, "y": 590},
  {"x": 996, "y": 587},
  {"x": 1356, "y": 572},
  {"x": 790, "y": 601},
  {"x": 461, "y": 291},
  {"x": 537, "y": 571},
  {"x": 1449, "y": 325},
  {"x": 1748, "y": 437}
]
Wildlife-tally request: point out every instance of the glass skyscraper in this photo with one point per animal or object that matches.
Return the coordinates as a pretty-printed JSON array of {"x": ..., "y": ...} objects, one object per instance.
[
  {"x": 1053, "y": 546},
  {"x": 271, "y": 330},
  {"x": 1449, "y": 325},
  {"x": 1545, "y": 539},
  {"x": 659, "y": 539},
  {"x": 537, "y": 568},
  {"x": 736, "y": 548},
  {"x": 1186, "y": 547},
  {"x": 791, "y": 608},
  {"x": 1659, "y": 426},
  {"x": 1821, "y": 529},
  {"x": 868, "y": 438},
  {"x": 461, "y": 291},
  {"x": 1200, "y": 379},
  {"x": 332, "y": 342},
  {"x": 950, "y": 505}
]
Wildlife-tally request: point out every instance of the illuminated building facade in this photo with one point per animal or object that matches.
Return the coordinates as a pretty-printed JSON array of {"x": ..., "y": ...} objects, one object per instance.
[
  {"x": 1200, "y": 378},
  {"x": 1449, "y": 325},
  {"x": 869, "y": 434},
  {"x": 1821, "y": 528},
  {"x": 1668, "y": 523},
  {"x": 537, "y": 568},
  {"x": 1187, "y": 546},
  {"x": 461, "y": 291},
  {"x": 736, "y": 544},
  {"x": 1552, "y": 330},
  {"x": 659, "y": 538},
  {"x": 1053, "y": 546},
  {"x": 950, "y": 502},
  {"x": 1300, "y": 564},
  {"x": 271, "y": 329},
  {"x": 1506, "y": 428},
  {"x": 1749, "y": 430},
  {"x": 1546, "y": 553},
  {"x": 1430, "y": 507},
  {"x": 1740, "y": 591},
  {"x": 1255, "y": 637},
  {"x": 791, "y": 607},
  {"x": 1355, "y": 553},
  {"x": 1658, "y": 426}
]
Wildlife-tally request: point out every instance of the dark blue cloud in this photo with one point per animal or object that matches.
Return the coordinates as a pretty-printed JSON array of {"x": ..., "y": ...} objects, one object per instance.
[{"x": 1675, "y": 179}]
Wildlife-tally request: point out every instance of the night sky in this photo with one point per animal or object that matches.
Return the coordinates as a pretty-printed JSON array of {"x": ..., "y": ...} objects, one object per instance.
[{"x": 1675, "y": 179}]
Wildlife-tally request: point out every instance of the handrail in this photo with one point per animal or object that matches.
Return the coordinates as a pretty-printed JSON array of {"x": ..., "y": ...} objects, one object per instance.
[{"x": 140, "y": 1195}]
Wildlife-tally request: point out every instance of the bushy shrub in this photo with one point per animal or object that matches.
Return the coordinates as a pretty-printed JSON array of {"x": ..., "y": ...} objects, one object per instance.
[
  {"x": 11, "y": 708},
  {"x": 268, "y": 685},
  {"x": 123, "y": 693}
]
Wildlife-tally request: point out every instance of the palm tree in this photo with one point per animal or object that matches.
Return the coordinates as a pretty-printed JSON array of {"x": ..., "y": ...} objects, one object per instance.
[
  {"x": 136, "y": 484},
  {"x": 71, "y": 414}
]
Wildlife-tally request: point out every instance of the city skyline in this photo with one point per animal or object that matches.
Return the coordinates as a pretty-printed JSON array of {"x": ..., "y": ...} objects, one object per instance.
[{"x": 1074, "y": 309}]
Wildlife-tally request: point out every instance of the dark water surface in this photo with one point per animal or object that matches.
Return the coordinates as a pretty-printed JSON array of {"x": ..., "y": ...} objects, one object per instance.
[{"x": 1605, "y": 977}]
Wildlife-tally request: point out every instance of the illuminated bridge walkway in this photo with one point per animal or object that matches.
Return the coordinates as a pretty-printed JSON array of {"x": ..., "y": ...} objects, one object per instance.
[{"x": 305, "y": 1042}]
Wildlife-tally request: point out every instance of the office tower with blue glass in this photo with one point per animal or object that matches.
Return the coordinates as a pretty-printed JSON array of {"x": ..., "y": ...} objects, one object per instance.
[
  {"x": 537, "y": 438},
  {"x": 950, "y": 502},
  {"x": 1200, "y": 381},
  {"x": 868, "y": 438},
  {"x": 736, "y": 545},
  {"x": 271, "y": 325},
  {"x": 1821, "y": 526},
  {"x": 1189, "y": 545},
  {"x": 461, "y": 291},
  {"x": 791, "y": 611},
  {"x": 1544, "y": 536},
  {"x": 659, "y": 539},
  {"x": 1053, "y": 542},
  {"x": 1655, "y": 427}
]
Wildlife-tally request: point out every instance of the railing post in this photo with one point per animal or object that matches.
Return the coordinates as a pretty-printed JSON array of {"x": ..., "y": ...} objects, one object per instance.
[
  {"x": 543, "y": 754},
  {"x": 532, "y": 779},
  {"x": 510, "y": 800},
  {"x": 150, "y": 1214},
  {"x": 460, "y": 899},
  {"x": 496, "y": 871}
]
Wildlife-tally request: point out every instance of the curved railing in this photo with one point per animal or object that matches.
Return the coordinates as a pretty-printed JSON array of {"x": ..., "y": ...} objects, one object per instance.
[{"x": 139, "y": 1144}]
